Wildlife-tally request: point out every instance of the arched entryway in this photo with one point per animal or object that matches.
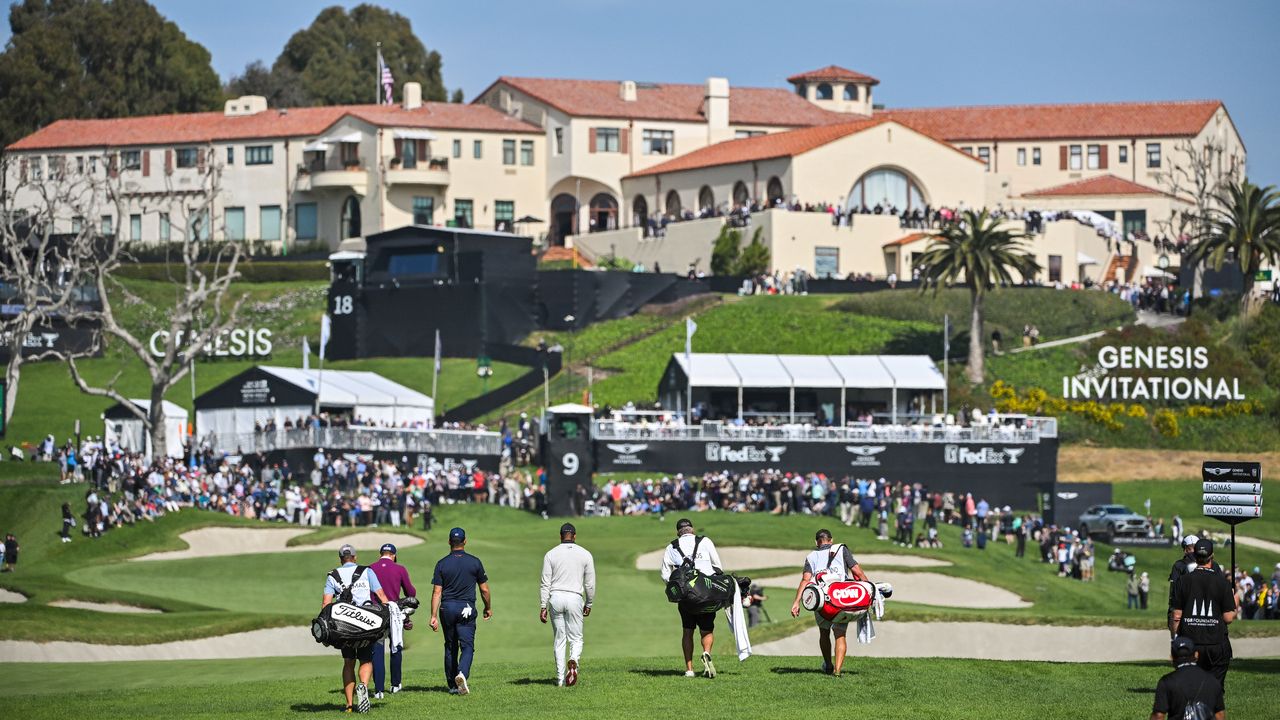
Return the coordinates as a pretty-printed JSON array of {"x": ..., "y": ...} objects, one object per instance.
[
  {"x": 887, "y": 187},
  {"x": 673, "y": 204},
  {"x": 603, "y": 214},
  {"x": 774, "y": 191},
  {"x": 741, "y": 197},
  {"x": 351, "y": 217},
  {"x": 564, "y": 211},
  {"x": 706, "y": 199},
  {"x": 640, "y": 212}
]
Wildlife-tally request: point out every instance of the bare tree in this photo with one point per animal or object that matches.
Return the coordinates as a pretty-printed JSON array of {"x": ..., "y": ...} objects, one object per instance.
[
  {"x": 1194, "y": 173},
  {"x": 205, "y": 304}
]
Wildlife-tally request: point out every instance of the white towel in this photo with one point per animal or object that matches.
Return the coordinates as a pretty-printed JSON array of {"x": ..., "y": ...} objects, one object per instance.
[
  {"x": 397, "y": 627},
  {"x": 866, "y": 626},
  {"x": 738, "y": 624}
]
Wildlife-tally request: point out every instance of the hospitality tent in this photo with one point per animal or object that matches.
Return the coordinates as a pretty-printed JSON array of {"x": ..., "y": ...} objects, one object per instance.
[
  {"x": 264, "y": 393},
  {"x": 123, "y": 428},
  {"x": 797, "y": 384}
]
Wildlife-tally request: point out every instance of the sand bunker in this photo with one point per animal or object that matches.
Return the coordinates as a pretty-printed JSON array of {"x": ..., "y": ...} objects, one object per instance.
[
  {"x": 275, "y": 642},
  {"x": 926, "y": 588},
  {"x": 9, "y": 596},
  {"x": 993, "y": 641},
  {"x": 220, "y": 541},
  {"x": 104, "y": 607},
  {"x": 748, "y": 558}
]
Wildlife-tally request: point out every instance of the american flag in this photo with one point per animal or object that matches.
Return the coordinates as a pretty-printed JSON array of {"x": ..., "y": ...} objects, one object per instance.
[{"x": 384, "y": 77}]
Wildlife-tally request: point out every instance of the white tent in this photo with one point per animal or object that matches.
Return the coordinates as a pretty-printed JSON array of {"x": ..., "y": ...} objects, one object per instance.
[{"x": 127, "y": 430}]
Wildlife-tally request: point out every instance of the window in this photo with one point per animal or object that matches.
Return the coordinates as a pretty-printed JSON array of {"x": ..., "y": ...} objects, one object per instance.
[
  {"x": 477, "y": 149},
  {"x": 37, "y": 168},
  {"x": 1135, "y": 221},
  {"x": 967, "y": 150},
  {"x": 1095, "y": 157},
  {"x": 231, "y": 155},
  {"x": 606, "y": 140},
  {"x": 508, "y": 152},
  {"x": 166, "y": 230},
  {"x": 198, "y": 226},
  {"x": 234, "y": 222},
  {"x": 351, "y": 217},
  {"x": 77, "y": 224},
  {"x": 1035, "y": 156},
  {"x": 851, "y": 92},
  {"x": 304, "y": 221},
  {"x": 457, "y": 148},
  {"x": 739, "y": 134},
  {"x": 1122, "y": 154},
  {"x": 706, "y": 198},
  {"x": 802, "y": 90},
  {"x": 824, "y": 91},
  {"x": 559, "y": 141},
  {"x": 408, "y": 154},
  {"x": 826, "y": 262},
  {"x": 504, "y": 215},
  {"x": 462, "y": 213},
  {"x": 131, "y": 160},
  {"x": 984, "y": 154},
  {"x": 135, "y": 227},
  {"x": 887, "y": 188},
  {"x": 1153, "y": 155},
  {"x": 1022, "y": 157},
  {"x": 659, "y": 142},
  {"x": 186, "y": 157},
  {"x": 526, "y": 152},
  {"x": 258, "y": 155},
  {"x": 350, "y": 152},
  {"x": 107, "y": 226},
  {"x": 424, "y": 209},
  {"x": 1077, "y": 157},
  {"x": 269, "y": 222},
  {"x": 1055, "y": 268}
]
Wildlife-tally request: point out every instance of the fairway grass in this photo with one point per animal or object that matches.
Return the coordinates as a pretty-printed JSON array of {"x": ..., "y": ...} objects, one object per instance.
[{"x": 623, "y": 689}]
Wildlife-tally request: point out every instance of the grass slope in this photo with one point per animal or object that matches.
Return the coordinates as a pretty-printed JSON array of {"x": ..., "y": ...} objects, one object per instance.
[{"x": 764, "y": 687}]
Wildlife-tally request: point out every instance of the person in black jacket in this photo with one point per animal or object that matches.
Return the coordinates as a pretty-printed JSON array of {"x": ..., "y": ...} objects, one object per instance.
[
  {"x": 68, "y": 522},
  {"x": 1186, "y": 686},
  {"x": 1203, "y": 605}
]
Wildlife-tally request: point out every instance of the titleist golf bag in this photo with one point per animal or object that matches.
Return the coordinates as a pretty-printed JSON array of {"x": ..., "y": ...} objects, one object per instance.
[
  {"x": 697, "y": 591},
  {"x": 345, "y": 625}
]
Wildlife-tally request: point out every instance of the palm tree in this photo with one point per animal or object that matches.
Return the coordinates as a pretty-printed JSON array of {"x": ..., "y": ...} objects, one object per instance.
[
  {"x": 978, "y": 249},
  {"x": 1244, "y": 224}
]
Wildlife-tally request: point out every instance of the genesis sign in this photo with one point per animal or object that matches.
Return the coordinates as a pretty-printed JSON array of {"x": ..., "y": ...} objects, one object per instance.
[
  {"x": 715, "y": 452},
  {"x": 865, "y": 455},
  {"x": 236, "y": 342},
  {"x": 627, "y": 453},
  {"x": 1195, "y": 384},
  {"x": 960, "y": 455}
]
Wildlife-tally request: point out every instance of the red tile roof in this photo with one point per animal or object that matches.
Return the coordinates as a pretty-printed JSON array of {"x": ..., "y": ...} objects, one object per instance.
[
  {"x": 761, "y": 147},
  {"x": 833, "y": 73},
  {"x": 672, "y": 101},
  {"x": 1101, "y": 185},
  {"x": 1034, "y": 122},
  {"x": 295, "y": 122},
  {"x": 907, "y": 240}
]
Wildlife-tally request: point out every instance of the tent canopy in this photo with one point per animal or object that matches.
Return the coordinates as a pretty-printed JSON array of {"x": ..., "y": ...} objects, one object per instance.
[
  {"x": 119, "y": 411},
  {"x": 715, "y": 370}
]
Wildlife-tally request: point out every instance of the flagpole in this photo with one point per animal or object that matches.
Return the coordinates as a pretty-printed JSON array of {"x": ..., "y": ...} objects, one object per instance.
[
  {"x": 435, "y": 368},
  {"x": 377, "y": 92},
  {"x": 946, "y": 361}
]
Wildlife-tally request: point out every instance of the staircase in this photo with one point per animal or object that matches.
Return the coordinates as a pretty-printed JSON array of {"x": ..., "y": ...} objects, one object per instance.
[{"x": 1119, "y": 264}]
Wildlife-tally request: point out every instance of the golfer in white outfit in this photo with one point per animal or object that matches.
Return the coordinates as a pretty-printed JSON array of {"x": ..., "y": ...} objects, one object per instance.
[{"x": 568, "y": 589}]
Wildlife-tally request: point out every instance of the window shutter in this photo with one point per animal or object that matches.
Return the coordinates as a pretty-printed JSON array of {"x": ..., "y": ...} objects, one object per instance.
[
  {"x": 1062, "y": 157},
  {"x": 591, "y": 140},
  {"x": 200, "y": 159},
  {"x": 1102, "y": 157},
  {"x": 168, "y": 161},
  {"x": 399, "y": 147},
  {"x": 146, "y": 163},
  {"x": 624, "y": 141},
  {"x": 22, "y": 170},
  {"x": 113, "y": 164},
  {"x": 421, "y": 147}
]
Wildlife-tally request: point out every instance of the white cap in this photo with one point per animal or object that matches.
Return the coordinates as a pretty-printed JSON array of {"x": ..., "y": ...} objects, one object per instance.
[{"x": 1190, "y": 540}]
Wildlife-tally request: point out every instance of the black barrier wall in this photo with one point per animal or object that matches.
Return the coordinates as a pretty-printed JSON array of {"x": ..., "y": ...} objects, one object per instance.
[
  {"x": 1069, "y": 500},
  {"x": 302, "y": 459}
]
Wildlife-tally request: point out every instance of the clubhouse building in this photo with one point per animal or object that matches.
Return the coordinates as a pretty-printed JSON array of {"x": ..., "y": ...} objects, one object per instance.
[{"x": 653, "y": 171}]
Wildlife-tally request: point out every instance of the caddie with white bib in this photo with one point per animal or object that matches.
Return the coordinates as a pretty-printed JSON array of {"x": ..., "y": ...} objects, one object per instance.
[
  {"x": 837, "y": 591},
  {"x": 348, "y": 620}
]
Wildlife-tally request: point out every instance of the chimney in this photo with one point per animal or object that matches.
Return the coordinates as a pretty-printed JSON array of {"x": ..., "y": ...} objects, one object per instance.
[
  {"x": 716, "y": 107},
  {"x": 627, "y": 90},
  {"x": 412, "y": 95},
  {"x": 245, "y": 105}
]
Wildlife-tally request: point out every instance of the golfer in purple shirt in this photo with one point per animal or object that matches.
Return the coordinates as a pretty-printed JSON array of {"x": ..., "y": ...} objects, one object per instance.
[{"x": 396, "y": 584}]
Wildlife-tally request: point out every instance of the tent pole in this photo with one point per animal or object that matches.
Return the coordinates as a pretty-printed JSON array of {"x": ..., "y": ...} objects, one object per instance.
[
  {"x": 893, "y": 408},
  {"x": 739, "y": 402},
  {"x": 793, "y": 404},
  {"x": 844, "y": 421}
]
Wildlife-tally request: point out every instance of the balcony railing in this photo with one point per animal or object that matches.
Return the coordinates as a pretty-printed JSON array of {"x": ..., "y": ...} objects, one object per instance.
[
  {"x": 454, "y": 443},
  {"x": 1030, "y": 432}
]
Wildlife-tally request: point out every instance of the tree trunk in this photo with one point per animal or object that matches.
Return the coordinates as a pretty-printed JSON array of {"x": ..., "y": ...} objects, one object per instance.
[
  {"x": 12, "y": 374},
  {"x": 155, "y": 416},
  {"x": 976, "y": 369}
]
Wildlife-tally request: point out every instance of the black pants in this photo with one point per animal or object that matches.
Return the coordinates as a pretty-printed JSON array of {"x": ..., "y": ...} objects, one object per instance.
[{"x": 1215, "y": 659}]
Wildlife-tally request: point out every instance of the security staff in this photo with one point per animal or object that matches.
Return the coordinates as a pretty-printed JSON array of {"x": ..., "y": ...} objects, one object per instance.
[
  {"x": 567, "y": 591},
  {"x": 1187, "y": 686},
  {"x": 1203, "y": 605},
  {"x": 363, "y": 584},
  {"x": 841, "y": 565},
  {"x": 707, "y": 561},
  {"x": 453, "y": 607},
  {"x": 396, "y": 585}
]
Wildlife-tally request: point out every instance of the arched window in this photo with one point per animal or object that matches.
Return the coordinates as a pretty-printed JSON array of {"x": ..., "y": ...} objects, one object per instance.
[
  {"x": 640, "y": 213},
  {"x": 673, "y": 204},
  {"x": 740, "y": 195},
  {"x": 851, "y": 92},
  {"x": 564, "y": 218},
  {"x": 887, "y": 188},
  {"x": 604, "y": 213},
  {"x": 824, "y": 91},
  {"x": 801, "y": 89},
  {"x": 351, "y": 217},
  {"x": 706, "y": 199},
  {"x": 774, "y": 191}
]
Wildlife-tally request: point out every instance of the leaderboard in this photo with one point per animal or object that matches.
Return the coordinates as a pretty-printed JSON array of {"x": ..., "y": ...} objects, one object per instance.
[{"x": 1232, "y": 490}]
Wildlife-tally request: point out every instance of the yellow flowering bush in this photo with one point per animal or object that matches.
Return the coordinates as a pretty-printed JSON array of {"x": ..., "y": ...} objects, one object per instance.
[{"x": 1165, "y": 422}]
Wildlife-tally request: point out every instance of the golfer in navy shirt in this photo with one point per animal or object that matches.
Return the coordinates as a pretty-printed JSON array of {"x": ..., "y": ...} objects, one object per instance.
[{"x": 453, "y": 606}]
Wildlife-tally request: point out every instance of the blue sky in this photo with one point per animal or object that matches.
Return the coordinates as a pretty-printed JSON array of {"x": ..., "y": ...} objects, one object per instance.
[{"x": 925, "y": 52}]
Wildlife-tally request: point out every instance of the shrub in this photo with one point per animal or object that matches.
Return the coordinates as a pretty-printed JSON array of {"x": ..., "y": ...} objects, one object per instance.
[
  {"x": 755, "y": 258},
  {"x": 725, "y": 252},
  {"x": 1166, "y": 423}
]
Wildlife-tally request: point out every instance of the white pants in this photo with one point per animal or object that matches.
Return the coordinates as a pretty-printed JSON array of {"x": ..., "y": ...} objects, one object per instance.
[{"x": 565, "y": 610}]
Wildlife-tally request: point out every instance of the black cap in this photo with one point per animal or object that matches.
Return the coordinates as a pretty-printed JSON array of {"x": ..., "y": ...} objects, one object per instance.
[
  {"x": 457, "y": 535},
  {"x": 683, "y": 523},
  {"x": 1204, "y": 549},
  {"x": 568, "y": 529},
  {"x": 823, "y": 533},
  {"x": 1182, "y": 647}
]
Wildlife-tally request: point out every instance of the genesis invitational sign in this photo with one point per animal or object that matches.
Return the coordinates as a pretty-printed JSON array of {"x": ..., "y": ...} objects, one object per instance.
[
  {"x": 1100, "y": 384},
  {"x": 236, "y": 342}
]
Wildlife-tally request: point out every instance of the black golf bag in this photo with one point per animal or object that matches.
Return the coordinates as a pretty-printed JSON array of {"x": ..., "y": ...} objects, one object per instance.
[
  {"x": 345, "y": 625},
  {"x": 697, "y": 591}
]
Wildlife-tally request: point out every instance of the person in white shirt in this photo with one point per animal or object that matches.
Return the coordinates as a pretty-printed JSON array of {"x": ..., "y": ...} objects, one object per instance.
[
  {"x": 839, "y": 564},
  {"x": 707, "y": 561},
  {"x": 567, "y": 592}
]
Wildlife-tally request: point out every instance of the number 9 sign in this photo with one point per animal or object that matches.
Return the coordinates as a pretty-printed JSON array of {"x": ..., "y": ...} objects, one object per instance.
[{"x": 570, "y": 464}]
